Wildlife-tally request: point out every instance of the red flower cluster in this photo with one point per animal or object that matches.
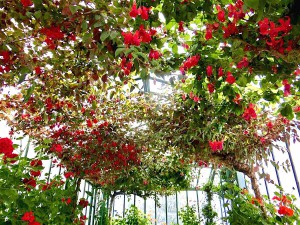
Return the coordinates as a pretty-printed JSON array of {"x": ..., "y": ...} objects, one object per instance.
[
  {"x": 141, "y": 11},
  {"x": 189, "y": 63},
  {"x": 67, "y": 201},
  {"x": 287, "y": 87},
  {"x": 221, "y": 13},
  {"x": 229, "y": 30},
  {"x": 26, "y": 3},
  {"x": 29, "y": 183},
  {"x": 209, "y": 70},
  {"x": 276, "y": 33},
  {"x": 154, "y": 54},
  {"x": 180, "y": 26},
  {"x": 216, "y": 145},
  {"x": 36, "y": 163},
  {"x": 126, "y": 66},
  {"x": 235, "y": 11},
  {"x": 286, "y": 211},
  {"x": 140, "y": 36},
  {"x": 230, "y": 78},
  {"x": 57, "y": 148},
  {"x": 83, "y": 203},
  {"x": 211, "y": 87},
  {"x": 250, "y": 113},
  {"x": 209, "y": 29},
  {"x": 6, "y": 148},
  {"x": 53, "y": 33},
  {"x": 5, "y": 61},
  {"x": 283, "y": 209},
  {"x": 29, "y": 217},
  {"x": 243, "y": 63},
  {"x": 68, "y": 174}
]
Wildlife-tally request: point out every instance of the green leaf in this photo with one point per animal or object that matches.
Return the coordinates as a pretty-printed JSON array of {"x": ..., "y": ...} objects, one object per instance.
[
  {"x": 252, "y": 4},
  {"x": 287, "y": 111},
  {"x": 104, "y": 35},
  {"x": 114, "y": 34},
  {"x": 84, "y": 26},
  {"x": 175, "y": 49},
  {"x": 29, "y": 92},
  {"x": 118, "y": 51},
  {"x": 73, "y": 9}
]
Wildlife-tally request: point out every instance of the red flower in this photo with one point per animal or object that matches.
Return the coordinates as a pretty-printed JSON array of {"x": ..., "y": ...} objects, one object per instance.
[
  {"x": 6, "y": 56},
  {"x": 209, "y": 70},
  {"x": 220, "y": 72},
  {"x": 53, "y": 33},
  {"x": 180, "y": 28},
  {"x": 190, "y": 62},
  {"x": 131, "y": 39},
  {"x": 144, "y": 36},
  {"x": 208, "y": 34},
  {"x": 38, "y": 70},
  {"x": 286, "y": 211},
  {"x": 28, "y": 216},
  {"x": 221, "y": 14},
  {"x": 243, "y": 63},
  {"x": 6, "y": 146},
  {"x": 34, "y": 223},
  {"x": 249, "y": 113},
  {"x": 68, "y": 174},
  {"x": 57, "y": 148},
  {"x": 26, "y": 3},
  {"x": 84, "y": 203},
  {"x": 287, "y": 88},
  {"x": 230, "y": 78},
  {"x": 270, "y": 125},
  {"x": 143, "y": 12},
  {"x": 134, "y": 12},
  {"x": 29, "y": 182},
  {"x": 154, "y": 54},
  {"x": 216, "y": 145},
  {"x": 211, "y": 88},
  {"x": 35, "y": 173},
  {"x": 237, "y": 99},
  {"x": 36, "y": 162},
  {"x": 229, "y": 30}
]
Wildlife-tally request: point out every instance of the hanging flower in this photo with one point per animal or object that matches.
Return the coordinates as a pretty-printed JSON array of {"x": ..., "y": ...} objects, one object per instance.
[
  {"x": 26, "y": 3},
  {"x": 134, "y": 11},
  {"x": 209, "y": 70},
  {"x": 216, "y": 145},
  {"x": 230, "y": 78},
  {"x": 249, "y": 113},
  {"x": 180, "y": 26}
]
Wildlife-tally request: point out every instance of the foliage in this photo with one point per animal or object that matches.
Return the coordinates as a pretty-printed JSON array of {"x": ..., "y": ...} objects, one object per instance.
[
  {"x": 208, "y": 211},
  {"x": 53, "y": 201},
  {"x": 188, "y": 216},
  {"x": 244, "y": 208},
  {"x": 133, "y": 216}
]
